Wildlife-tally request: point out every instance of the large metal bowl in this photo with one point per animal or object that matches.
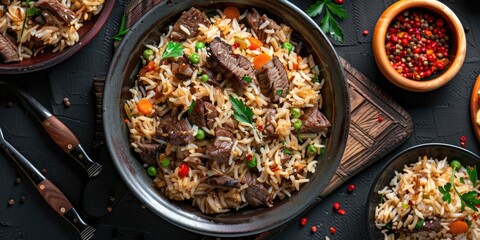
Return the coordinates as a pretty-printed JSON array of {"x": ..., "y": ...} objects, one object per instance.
[{"x": 121, "y": 75}]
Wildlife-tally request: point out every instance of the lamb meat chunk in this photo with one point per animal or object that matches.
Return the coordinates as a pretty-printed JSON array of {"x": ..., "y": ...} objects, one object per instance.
[
  {"x": 429, "y": 225},
  {"x": 8, "y": 50},
  {"x": 225, "y": 182},
  {"x": 187, "y": 25},
  {"x": 182, "y": 69},
  {"x": 221, "y": 148},
  {"x": 149, "y": 152},
  {"x": 192, "y": 161},
  {"x": 269, "y": 129},
  {"x": 257, "y": 195},
  {"x": 313, "y": 121},
  {"x": 176, "y": 132},
  {"x": 58, "y": 9},
  {"x": 197, "y": 116},
  {"x": 273, "y": 79},
  {"x": 232, "y": 66},
  {"x": 210, "y": 114},
  {"x": 255, "y": 21}
]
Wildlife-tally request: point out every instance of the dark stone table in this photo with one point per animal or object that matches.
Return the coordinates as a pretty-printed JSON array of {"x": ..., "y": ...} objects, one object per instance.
[{"x": 439, "y": 116}]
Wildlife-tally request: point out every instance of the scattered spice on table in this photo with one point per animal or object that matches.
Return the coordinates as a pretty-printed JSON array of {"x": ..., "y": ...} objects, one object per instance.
[
  {"x": 417, "y": 44},
  {"x": 314, "y": 229},
  {"x": 463, "y": 141},
  {"x": 351, "y": 187},
  {"x": 9, "y": 104},
  {"x": 143, "y": 206},
  {"x": 66, "y": 102},
  {"x": 23, "y": 199},
  {"x": 380, "y": 118},
  {"x": 365, "y": 32},
  {"x": 111, "y": 198},
  {"x": 44, "y": 171},
  {"x": 339, "y": 2},
  {"x": 336, "y": 205},
  {"x": 18, "y": 181},
  {"x": 341, "y": 211},
  {"x": 11, "y": 202},
  {"x": 303, "y": 221},
  {"x": 109, "y": 209},
  {"x": 333, "y": 230}
]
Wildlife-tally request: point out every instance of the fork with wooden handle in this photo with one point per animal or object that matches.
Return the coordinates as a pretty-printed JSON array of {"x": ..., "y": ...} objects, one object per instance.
[{"x": 50, "y": 193}]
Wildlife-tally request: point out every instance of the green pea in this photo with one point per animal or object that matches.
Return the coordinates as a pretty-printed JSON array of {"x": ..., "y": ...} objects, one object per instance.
[
  {"x": 295, "y": 112},
  {"x": 456, "y": 165},
  {"x": 297, "y": 124},
  {"x": 200, "y": 134},
  {"x": 287, "y": 46},
  {"x": 311, "y": 149},
  {"x": 204, "y": 78},
  {"x": 148, "y": 53},
  {"x": 199, "y": 46},
  {"x": 252, "y": 163},
  {"x": 152, "y": 171},
  {"x": 165, "y": 162},
  {"x": 194, "y": 58}
]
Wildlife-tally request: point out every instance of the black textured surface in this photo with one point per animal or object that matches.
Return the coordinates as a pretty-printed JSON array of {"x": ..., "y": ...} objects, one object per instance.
[{"x": 439, "y": 116}]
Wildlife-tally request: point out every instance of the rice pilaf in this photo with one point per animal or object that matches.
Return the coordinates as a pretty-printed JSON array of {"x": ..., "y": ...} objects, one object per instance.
[
  {"x": 413, "y": 207},
  {"x": 283, "y": 164}
]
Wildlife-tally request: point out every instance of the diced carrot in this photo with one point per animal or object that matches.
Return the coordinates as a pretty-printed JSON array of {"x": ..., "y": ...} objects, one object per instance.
[
  {"x": 254, "y": 43},
  {"x": 231, "y": 12},
  {"x": 150, "y": 66},
  {"x": 144, "y": 106},
  {"x": 260, "y": 60},
  {"x": 458, "y": 227}
]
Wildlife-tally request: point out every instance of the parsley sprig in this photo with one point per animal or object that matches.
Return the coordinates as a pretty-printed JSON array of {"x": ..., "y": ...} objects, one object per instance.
[
  {"x": 173, "y": 49},
  {"x": 121, "y": 30},
  {"x": 468, "y": 199},
  {"x": 329, "y": 24},
  {"x": 241, "y": 112},
  {"x": 29, "y": 11}
]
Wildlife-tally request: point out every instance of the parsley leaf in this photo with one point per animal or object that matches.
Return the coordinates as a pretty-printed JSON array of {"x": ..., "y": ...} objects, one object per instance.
[
  {"x": 173, "y": 49},
  {"x": 328, "y": 24},
  {"x": 470, "y": 199},
  {"x": 241, "y": 112},
  {"x": 121, "y": 30},
  {"x": 247, "y": 79},
  {"x": 287, "y": 151},
  {"x": 191, "y": 107},
  {"x": 445, "y": 190},
  {"x": 32, "y": 11},
  {"x": 472, "y": 174}
]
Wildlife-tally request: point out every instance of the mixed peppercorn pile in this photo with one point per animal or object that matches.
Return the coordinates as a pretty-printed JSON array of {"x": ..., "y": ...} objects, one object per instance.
[{"x": 417, "y": 44}]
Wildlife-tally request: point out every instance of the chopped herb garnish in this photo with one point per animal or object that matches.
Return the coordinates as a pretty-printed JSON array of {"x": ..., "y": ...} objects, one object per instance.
[
  {"x": 33, "y": 11},
  {"x": 328, "y": 24},
  {"x": 279, "y": 92},
  {"x": 419, "y": 224},
  {"x": 192, "y": 106},
  {"x": 247, "y": 79},
  {"x": 315, "y": 79},
  {"x": 462, "y": 180},
  {"x": 472, "y": 174},
  {"x": 468, "y": 199},
  {"x": 241, "y": 112},
  {"x": 287, "y": 151},
  {"x": 121, "y": 30},
  {"x": 173, "y": 49},
  {"x": 389, "y": 226},
  {"x": 19, "y": 37}
]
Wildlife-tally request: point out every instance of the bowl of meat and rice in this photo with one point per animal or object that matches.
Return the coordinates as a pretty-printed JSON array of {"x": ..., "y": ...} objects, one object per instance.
[{"x": 215, "y": 124}]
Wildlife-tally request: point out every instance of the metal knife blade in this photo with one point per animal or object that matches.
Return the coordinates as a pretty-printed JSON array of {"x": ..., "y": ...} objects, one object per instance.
[
  {"x": 50, "y": 193},
  {"x": 58, "y": 131}
]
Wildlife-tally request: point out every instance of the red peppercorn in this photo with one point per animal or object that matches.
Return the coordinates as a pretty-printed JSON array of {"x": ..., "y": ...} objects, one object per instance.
[
  {"x": 236, "y": 45},
  {"x": 351, "y": 187},
  {"x": 333, "y": 230},
  {"x": 338, "y": 1},
  {"x": 336, "y": 205},
  {"x": 341, "y": 211},
  {"x": 462, "y": 144},
  {"x": 404, "y": 42},
  {"x": 463, "y": 138},
  {"x": 439, "y": 65},
  {"x": 380, "y": 119},
  {"x": 314, "y": 229},
  {"x": 303, "y": 221},
  {"x": 365, "y": 32}
]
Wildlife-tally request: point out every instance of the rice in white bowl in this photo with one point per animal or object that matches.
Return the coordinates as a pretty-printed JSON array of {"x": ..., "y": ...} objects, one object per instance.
[{"x": 413, "y": 199}]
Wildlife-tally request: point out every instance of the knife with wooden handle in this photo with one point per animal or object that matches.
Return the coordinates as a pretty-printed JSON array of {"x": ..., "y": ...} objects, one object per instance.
[
  {"x": 50, "y": 193},
  {"x": 59, "y": 132}
]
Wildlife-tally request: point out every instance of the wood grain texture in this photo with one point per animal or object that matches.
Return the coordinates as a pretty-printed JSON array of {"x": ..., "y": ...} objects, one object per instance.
[
  {"x": 60, "y": 133},
  {"x": 54, "y": 197},
  {"x": 377, "y": 126}
]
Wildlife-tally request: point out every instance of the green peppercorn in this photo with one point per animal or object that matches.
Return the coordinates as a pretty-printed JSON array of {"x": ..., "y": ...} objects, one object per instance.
[
  {"x": 311, "y": 149},
  {"x": 148, "y": 53},
  {"x": 295, "y": 112},
  {"x": 252, "y": 163},
  {"x": 297, "y": 124},
  {"x": 194, "y": 58},
  {"x": 152, "y": 171},
  {"x": 200, "y": 134},
  {"x": 199, "y": 46},
  {"x": 165, "y": 162},
  {"x": 287, "y": 46},
  {"x": 456, "y": 165}
]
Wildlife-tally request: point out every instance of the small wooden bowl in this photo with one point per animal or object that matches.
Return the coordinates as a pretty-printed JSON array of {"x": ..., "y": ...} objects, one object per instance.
[{"x": 458, "y": 45}]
